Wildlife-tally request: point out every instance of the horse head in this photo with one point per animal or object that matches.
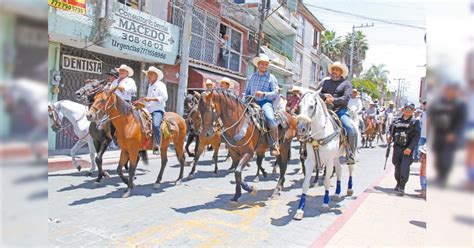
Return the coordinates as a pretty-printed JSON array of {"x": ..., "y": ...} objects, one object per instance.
[
  {"x": 86, "y": 93},
  {"x": 56, "y": 116},
  {"x": 209, "y": 112},
  {"x": 308, "y": 108},
  {"x": 194, "y": 121},
  {"x": 98, "y": 110}
]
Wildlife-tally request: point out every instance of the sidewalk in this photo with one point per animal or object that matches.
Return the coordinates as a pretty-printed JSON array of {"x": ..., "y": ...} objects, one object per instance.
[{"x": 380, "y": 217}]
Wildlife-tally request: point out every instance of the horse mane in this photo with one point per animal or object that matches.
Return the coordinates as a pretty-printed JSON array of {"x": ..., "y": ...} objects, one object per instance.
[{"x": 123, "y": 107}]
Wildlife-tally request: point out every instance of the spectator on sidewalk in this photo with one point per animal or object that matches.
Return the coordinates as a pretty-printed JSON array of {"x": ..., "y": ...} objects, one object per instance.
[
  {"x": 422, "y": 141},
  {"x": 423, "y": 171},
  {"x": 405, "y": 133}
]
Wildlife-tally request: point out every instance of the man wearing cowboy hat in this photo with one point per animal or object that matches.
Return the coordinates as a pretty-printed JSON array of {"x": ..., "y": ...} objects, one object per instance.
[
  {"x": 155, "y": 102},
  {"x": 226, "y": 83},
  {"x": 209, "y": 84},
  {"x": 264, "y": 87},
  {"x": 112, "y": 75},
  {"x": 126, "y": 86},
  {"x": 337, "y": 91},
  {"x": 390, "y": 109},
  {"x": 355, "y": 102},
  {"x": 294, "y": 100}
]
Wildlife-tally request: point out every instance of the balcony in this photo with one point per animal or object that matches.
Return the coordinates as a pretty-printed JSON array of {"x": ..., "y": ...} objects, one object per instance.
[{"x": 281, "y": 22}]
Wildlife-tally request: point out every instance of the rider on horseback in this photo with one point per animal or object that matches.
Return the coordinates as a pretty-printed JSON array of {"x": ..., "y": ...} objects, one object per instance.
[
  {"x": 337, "y": 91},
  {"x": 126, "y": 86},
  {"x": 264, "y": 87},
  {"x": 372, "y": 112},
  {"x": 155, "y": 102}
]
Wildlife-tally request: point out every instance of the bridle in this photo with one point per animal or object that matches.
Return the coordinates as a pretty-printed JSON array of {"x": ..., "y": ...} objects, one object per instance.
[
  {"x": 105, "y": 116},
  {"x": 310, "y": 136}
]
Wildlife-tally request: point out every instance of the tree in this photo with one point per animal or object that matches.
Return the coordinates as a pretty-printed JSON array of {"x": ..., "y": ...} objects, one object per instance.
[
  {"x": 360, "y": 50},
  {"x": 367, "y": 86},
  {"x": 379, "y": 75},
  {"x": 331, "y": 45}
]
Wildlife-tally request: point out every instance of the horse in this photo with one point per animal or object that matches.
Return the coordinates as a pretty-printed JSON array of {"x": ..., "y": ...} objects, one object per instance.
[
  {"x": 76, "y": 114},
  {"x": 190, "y": 101},
  {"x": 380, "y": 127},
  {"x": 243, "y": 136},
  {"x": 132, "y": 141},
  {"x": 355, "y": 121},
  {"x": 27, "y": 99},
  {"x": 324, "y": 145},
  {"x": 101, "y": 137},
  {"x": 370, "y": 132}
]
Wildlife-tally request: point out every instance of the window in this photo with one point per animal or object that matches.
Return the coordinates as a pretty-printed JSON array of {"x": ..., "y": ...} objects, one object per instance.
[
  {"x": 300, "y": 35},
  {"x": 313, "y": 72},
  {"x": 203, "y": 40},
  {"x": 230, "y": 48},
  {"x": 136, "y": 4},
  {"x": 298, "y": 60},
  {"x": 315, "y": 38}
]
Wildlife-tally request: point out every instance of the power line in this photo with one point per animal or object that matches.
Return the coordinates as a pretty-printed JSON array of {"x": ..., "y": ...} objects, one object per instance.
[{"x": 365, "y": 17}]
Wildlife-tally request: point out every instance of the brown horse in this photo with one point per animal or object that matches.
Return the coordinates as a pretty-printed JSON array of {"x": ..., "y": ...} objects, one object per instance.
[
  {"x": 242, "y": 136},
  {"x": 131, "y": 139},
  {"x": 371, "y": 129}
]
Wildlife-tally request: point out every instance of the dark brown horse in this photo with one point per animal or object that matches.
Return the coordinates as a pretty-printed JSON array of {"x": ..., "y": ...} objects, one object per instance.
[
  {"x": 132, "y": 141},
  {"x": 242, "y": 136}
]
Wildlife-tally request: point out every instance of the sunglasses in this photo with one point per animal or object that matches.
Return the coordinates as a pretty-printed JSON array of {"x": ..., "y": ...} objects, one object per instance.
[{"x": 409, "y": 108}]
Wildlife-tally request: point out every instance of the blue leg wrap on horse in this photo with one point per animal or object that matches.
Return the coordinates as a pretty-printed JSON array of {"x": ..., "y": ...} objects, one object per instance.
[
  {"x": 302, "y": 202},
  {"x": 326, "y": 197},
  {"x": 350, "y": 182},
  {"x": 423, "y": 182},
  {"x": 338, "y": 187},
  {"x": 246, "y": 187}
]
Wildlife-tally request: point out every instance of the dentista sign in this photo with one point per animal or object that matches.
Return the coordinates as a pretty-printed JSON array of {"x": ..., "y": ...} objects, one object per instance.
[
  {"x": 143, "y": 35},
  {"x": 81, "y": 64}
]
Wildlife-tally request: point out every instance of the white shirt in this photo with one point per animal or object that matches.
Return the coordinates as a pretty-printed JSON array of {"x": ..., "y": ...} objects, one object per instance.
[
  {"x": 355, "y": 103},
  {"x": 423, "y": 125},
  {"x": 157, "y": 90},
  {"x": 129, "y": 88}
]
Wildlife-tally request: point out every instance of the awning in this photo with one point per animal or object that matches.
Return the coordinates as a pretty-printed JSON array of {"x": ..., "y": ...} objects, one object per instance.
[{"x": 197, "y": 79}]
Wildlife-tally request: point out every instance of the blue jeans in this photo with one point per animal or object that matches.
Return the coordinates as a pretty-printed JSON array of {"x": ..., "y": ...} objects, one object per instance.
[
  {"x": 157, "y": 119},
  {"x": 343, "y": 115},
  {"x": 416, "y": 152},
  {"x": 269, "y": 114}
]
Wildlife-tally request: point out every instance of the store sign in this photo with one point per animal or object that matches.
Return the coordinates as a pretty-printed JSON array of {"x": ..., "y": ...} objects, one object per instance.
[
  {"x": 80, "y": 64},
  {"x": 76, "y": 6},
  {"x": 140, "y": 34}
]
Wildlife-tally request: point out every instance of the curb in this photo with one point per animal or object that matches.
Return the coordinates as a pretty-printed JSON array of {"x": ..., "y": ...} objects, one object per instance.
[{"x": 340, "y": 221}]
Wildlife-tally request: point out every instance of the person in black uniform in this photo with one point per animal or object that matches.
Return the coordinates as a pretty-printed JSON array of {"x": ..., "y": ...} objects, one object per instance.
[{"x": 405, "y": 133}]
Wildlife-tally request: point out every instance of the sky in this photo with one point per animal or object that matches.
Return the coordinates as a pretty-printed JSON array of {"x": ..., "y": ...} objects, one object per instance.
[{"x": 401, "y": 49}]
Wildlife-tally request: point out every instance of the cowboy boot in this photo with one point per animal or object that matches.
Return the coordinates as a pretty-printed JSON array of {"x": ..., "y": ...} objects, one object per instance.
[
  {"x": 274, "y": 141},
  {"x": 352, "y": 140}
]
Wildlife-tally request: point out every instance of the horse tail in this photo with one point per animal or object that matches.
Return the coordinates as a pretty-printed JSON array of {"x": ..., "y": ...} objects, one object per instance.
[{"x": 144, "y": 156}]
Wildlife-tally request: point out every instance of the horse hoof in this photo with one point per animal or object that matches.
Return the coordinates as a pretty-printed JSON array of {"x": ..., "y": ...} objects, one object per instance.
[
  {"x": 156, "y": 186},
  {"x": 350, "y": 192},
  {"x": 335, "y": 197},
  {"x": 78, "y": 168},
  {"x": 298, "y": 215},
  {"x": 325, "y": 208},
  {"x": 106, "y": 174},
  {"x": 97, "y": 183},
  {"x": 89, "y": 173},
  {"x": 265, "y": 174},
  {"x": 254, "y": 191},
  {"x": 256, "y": 179},
  {"x": 127, "y": 193},
  {"x": 177, "y": 183}
]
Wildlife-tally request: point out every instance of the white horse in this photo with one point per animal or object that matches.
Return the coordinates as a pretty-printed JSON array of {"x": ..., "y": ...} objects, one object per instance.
[
  {"x": 76, "y": 114},
  {"x": 323, "y": 146},
  {"x": 355, "y": 120}
]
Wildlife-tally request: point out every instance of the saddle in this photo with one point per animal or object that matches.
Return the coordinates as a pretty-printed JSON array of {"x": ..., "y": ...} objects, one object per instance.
[
  {"x": 168, "y": 127},
  {"x": 338, "y": 124},
  {"x": 258, "y": 118}
]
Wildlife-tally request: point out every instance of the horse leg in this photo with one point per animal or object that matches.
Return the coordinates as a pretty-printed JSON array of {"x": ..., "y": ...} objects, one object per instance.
[
  {"x": 239, "y": 184},
  {"x": 92, "y": 152},
  {"x": 124, "y": 157},
  {"x": 179, "y": 143},
  {"x": 327, "y": 184},
  {"x": 164, "y": 161},
  {"x": 199, "y": 150},
  {"x": 310, "y": 162},
  {"x": 101, "y": 147},
  {"x": 283, "y": 163},
  {"x": 188, "y": 143},
  {"x": 216, "y": 146},
  {"x": 74, "y": 149},
  {"x": 259, "y": 168},
  {"x": 338, "y": 169},
  {"x": 350, "y": 192},
  {"x": 133, "y": 155}
]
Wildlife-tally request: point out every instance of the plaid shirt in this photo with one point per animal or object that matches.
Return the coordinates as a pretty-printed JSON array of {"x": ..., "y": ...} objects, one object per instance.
[{"x": 266, "y": 83}]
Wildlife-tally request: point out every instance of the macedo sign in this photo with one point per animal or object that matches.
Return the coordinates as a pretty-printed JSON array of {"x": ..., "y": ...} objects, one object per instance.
[
  {"x": 140, "y": 34},
  {"x": 81, "y": 64}
]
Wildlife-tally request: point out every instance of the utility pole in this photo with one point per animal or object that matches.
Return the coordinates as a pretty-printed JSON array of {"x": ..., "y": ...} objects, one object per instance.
[
  {"x": 261, "y": 17},
  {"x": 398, "y": 96},
  {"x": 183, "y": 70},
  {"x": 352, "y": 45}
]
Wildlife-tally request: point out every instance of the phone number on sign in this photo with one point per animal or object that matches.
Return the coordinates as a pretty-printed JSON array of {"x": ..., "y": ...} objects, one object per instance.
[
  {"x": 143, "y": 41},
  {"x": 140, "y": 50}
]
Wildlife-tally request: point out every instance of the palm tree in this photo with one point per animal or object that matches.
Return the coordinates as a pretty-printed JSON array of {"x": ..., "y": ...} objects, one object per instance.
[
  {"x": 360, "y": 49},
  {"x": 379, "y": 75},
  {"x": 331, "y": 45}
]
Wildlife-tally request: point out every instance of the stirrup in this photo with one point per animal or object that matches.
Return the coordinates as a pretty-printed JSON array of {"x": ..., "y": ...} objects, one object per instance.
[{"x": 275, "y": 151}]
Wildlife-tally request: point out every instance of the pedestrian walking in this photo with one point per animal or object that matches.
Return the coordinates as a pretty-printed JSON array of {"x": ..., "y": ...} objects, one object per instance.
[{"x": 405, "y": 133}]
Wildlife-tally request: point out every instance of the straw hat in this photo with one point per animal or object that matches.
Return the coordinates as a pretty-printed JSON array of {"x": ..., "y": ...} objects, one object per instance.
[
  {"x": 227, "y": 81},
  {"x": 155, "y": 70},
  {"x": 343, "y": 67},
  {"x": 262, "y": 58},
  {"x": 127, "y": 68},
  {"x": 208, "y": 81}
]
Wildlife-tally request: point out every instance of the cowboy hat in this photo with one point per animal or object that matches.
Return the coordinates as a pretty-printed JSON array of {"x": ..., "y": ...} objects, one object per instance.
[
  {"x": 227, "y": 81},
  {"x": 343, "y": 67},
  {"x": 113, "y": 73},
  {"x": 371, "y": 103},
  {"x": 155, "y": 70},
  {"x": 354, "y": 91},
  {"x": 262, "y": 58},
  {"x": 127, "y": 68},
  {"x": 391, "y": 103},
  {"x": 296, "y": 88},
  {"x": 208, "y": 81}
]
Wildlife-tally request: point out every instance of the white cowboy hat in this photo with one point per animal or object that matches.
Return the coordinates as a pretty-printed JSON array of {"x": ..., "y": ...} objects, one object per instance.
[
  {"x": 227, "y": 81},
  {"x": 127, "y": 68},
  {"x": 343, "y": 67},
  {"x": 263, "y": 57},
  {"x": 296, "y": 88},
  {"x": 208, "y": 81},
  {"x": 155, "y": 70}
]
